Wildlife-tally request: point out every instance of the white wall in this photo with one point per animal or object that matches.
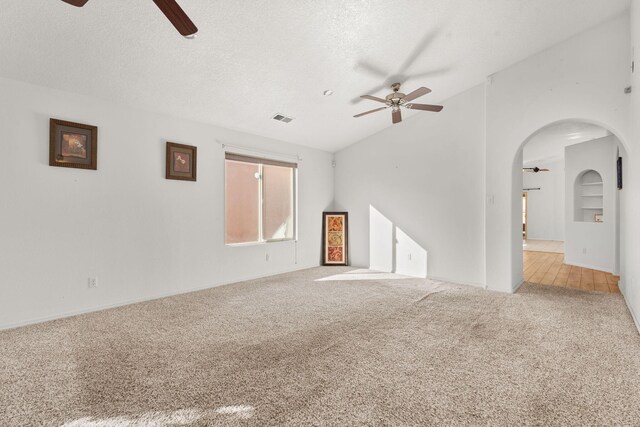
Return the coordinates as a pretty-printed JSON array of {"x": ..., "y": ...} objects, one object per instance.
[
  {"x": 591, "y": 244},
  {"x": 425, "y": 177},
  {"x": 630, "y": 195},
  {"x": 545, "y": 218},
  {"x": 583, "y": 79},
  {"x": 141, "y": 235}
]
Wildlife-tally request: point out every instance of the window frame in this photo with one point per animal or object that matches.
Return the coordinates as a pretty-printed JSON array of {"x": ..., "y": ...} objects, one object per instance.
[{"x": 261, "y": 161}]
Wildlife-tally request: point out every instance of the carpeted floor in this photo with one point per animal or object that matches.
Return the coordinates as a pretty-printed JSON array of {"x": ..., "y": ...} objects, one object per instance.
[{"x": 290, "y": 350}]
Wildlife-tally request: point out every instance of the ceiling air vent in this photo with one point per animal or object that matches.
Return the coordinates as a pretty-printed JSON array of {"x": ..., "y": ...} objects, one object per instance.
[{"x": 282, "y": 118}]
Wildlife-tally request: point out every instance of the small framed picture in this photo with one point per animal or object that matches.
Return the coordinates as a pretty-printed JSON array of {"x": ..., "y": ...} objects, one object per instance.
[
  {"x": 73, "y": 145},
  {"x": 181, "y": 161},
  {"x": 599, "y": 217},
  {"x": 334, "y": 240}
]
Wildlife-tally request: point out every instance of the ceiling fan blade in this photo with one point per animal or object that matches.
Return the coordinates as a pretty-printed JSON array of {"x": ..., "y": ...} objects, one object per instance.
[
  {"x": 396, "y": 116},
  {"x": 374, "y": 98},
  {"x": 425, "y": 107},
  {"x": 416, "y": 94},
  {"x": 374, "y": 90},
  {"x": 77, "y": 3},
  {"x": 176, "y": 15},
  {"x": 432, "y": 73},
  {"x": 420, "y": 48},
  {"x": 369, "y": 112},
  {"x": 370, "y": 68}
]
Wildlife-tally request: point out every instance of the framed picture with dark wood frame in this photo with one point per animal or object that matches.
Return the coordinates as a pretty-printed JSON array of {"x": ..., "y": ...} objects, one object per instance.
[
  {"x": 334, "y": 238},
  {"x": 182, "y": 161},
  {"x": 73, "y": 145}
]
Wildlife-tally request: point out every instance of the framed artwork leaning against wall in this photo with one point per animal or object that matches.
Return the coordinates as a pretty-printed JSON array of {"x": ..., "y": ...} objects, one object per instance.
[{"x": 334, "y": 238}]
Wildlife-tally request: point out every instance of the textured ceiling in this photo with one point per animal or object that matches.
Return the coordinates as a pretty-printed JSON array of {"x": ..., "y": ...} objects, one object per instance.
[{"x": 253, "y": 58}]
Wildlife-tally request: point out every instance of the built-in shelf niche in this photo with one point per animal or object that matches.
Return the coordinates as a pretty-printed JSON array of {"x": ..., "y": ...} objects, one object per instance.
[{"x": 589, "y": 201}]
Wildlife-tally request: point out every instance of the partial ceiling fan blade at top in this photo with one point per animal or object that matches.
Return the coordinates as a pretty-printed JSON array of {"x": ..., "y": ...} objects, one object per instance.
[
  {"x": 396, "y": 116},
  {"x": 177, "y": 17},
  {"x": 372, "y": 69},
  {"x": 425, "y": 107},
  {"x": 77, "y": 3},
  {"x": 374, "y": 98},
  {"x": 431, "y": 73},
  {"x": 416, "y": 94},
  {"x": 369, "y": 112}
]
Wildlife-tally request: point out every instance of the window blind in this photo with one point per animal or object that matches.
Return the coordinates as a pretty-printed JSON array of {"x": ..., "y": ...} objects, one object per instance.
[{"x": 258, "y": 160}]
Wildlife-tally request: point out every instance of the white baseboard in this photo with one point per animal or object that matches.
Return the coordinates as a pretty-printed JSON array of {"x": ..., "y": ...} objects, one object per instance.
[
  {"x": 72, "y": 313},
  {"x": 591, "y": 267},
  {"x": 514, "y": 288},
  {"x": 635, "y": 318}
]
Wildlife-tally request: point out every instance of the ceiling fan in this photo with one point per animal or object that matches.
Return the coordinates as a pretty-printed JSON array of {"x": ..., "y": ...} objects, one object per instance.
[
  {"x": 397, "y": 99},
  {"x": 534, "y": 170},
  {"x": 171, "y": 10}
]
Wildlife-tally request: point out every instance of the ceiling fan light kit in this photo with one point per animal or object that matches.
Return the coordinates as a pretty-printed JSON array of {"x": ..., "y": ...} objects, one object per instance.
[
  {"x": 397, "y": 100},
  {"x": 171, "y": 10}
]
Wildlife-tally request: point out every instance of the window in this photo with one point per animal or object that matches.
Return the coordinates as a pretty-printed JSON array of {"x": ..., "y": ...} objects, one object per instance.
[{"x": 259, "y": 199}]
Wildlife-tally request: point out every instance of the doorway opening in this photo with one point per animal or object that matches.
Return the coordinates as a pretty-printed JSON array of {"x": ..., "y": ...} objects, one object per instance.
[{"x": 570, "y": 207}]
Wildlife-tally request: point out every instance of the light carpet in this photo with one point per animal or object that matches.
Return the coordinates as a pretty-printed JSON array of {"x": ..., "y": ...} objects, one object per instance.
[{"x": 291, "y": 350}]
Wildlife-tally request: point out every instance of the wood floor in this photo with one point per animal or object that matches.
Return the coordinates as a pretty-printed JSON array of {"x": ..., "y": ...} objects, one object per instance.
[
  {"x": 549, "y": 269},
  {"x": 556, "y": 246}
]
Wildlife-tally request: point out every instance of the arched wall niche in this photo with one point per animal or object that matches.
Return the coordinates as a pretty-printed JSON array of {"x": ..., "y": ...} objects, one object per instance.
[{"x": 588, "y": 197}]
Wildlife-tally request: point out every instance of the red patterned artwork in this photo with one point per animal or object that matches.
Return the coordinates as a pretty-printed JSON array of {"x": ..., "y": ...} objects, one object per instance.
[
  {"x": 334, "y": 229},
  {"x": 335, "y": 254},
  {"x": 335, "y": 223}
]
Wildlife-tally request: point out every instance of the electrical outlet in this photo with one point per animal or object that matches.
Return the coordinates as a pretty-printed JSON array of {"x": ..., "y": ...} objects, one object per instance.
[
  {"x": 584, "y": 251},
  {"x": 267, "y": 257},
  {"x": 93, "y": 282},
  {"x": 409, "y": 257}
]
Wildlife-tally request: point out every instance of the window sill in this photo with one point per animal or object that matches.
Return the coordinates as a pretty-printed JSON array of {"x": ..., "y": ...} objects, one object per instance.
[{"x": 235, "y": 245}]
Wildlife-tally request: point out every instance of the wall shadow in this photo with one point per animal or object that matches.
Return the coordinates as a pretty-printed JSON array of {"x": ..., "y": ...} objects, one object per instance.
[{"x": 392, "y": 250}]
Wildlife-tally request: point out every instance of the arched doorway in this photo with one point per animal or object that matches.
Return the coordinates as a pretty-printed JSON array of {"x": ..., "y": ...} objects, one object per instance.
[{"x": 571, "y": 226}]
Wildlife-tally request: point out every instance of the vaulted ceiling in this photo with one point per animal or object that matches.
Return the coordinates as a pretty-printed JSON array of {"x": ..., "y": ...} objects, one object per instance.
[{"x": 255, "y": 58}]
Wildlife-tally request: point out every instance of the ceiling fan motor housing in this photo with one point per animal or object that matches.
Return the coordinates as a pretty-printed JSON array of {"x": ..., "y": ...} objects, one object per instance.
[{"x": 395, "y": 98}]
